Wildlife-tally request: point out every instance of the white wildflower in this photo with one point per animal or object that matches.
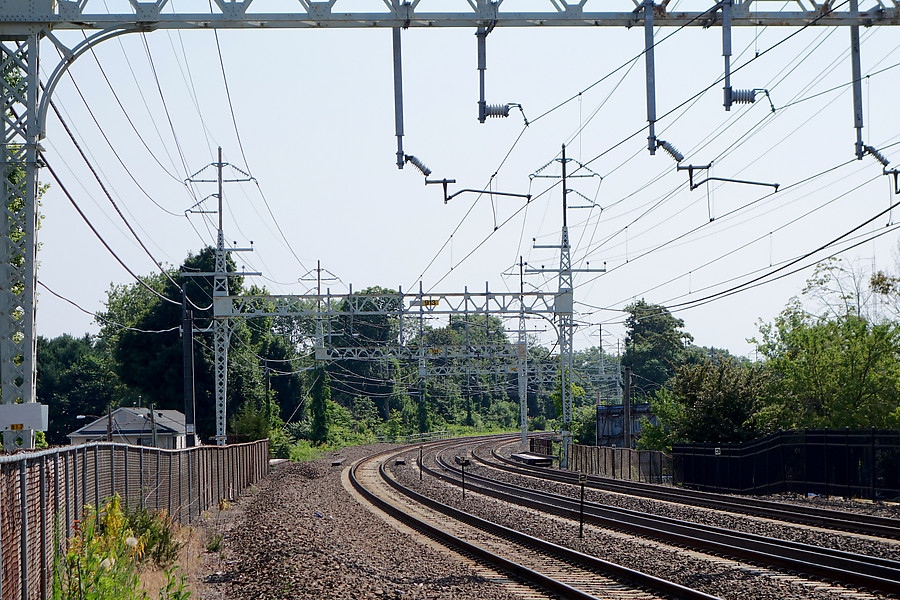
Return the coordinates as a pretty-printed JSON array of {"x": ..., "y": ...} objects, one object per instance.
[
  {"x": 107, "y": 563},
  {"x": 131, "y": 541}
]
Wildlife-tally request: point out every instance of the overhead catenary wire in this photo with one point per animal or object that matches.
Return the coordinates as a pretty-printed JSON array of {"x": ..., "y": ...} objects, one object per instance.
[
  {"x": 104, "y": 319},
  {"x": 100, "y": 237},
  {"x": 114, "y": 205}
]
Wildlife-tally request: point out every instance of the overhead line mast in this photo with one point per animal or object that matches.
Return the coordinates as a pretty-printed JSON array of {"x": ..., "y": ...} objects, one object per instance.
[{"x": 25, "y": 23}]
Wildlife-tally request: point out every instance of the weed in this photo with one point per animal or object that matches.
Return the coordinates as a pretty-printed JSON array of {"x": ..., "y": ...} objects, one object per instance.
[{"x": 100, "y": 561}]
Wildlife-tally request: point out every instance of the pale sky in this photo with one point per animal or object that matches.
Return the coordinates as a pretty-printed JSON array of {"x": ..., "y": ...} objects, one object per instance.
[{"x": 315, "y": 126}]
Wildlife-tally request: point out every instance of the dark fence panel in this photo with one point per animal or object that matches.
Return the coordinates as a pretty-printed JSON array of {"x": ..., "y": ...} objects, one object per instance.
[
  {"x": 832, "y": 462},
  {"x": 649, "y": 466},
  {"x": 43, "y": 493}
]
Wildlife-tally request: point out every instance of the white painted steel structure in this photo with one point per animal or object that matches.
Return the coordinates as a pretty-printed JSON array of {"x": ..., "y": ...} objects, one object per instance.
[{"x": 24, "y": 24}]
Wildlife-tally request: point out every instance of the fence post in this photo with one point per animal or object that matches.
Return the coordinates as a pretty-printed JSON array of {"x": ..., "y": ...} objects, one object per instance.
[
  {"x": 23, "y": 505},
  {"x": 125, "y": 469},
  {"x": 169, "y": 486},
  {"x": 44, "y": 570},
  {"x": 97, "y": 479},
  {"x": 112, "y": 470},
  {"x": 69, "y": 494},
  {"x": 141, "y": 475}
]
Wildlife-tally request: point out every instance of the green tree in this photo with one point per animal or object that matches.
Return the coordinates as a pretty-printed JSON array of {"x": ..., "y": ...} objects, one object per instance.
[
  {"x": 711, "y": 401},
  {"x": 320, "y": 397},
  {"x": 655, "y": 344},
  {"x": 830, "y": 371}
]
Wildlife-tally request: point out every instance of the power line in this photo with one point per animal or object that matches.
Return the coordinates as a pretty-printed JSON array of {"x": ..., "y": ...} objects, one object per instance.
[{"x": 100, "y": 237}]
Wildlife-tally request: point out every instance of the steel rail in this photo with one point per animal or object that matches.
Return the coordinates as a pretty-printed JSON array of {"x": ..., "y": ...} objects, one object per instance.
[
  {"x": 597, "y": 565},
  {"x": 790, "y": 513},
  {"x": 833, "y": 565}
]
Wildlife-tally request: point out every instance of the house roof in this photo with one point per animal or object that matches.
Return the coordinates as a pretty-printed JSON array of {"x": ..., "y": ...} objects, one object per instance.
[{"x": 131, "y": 421}]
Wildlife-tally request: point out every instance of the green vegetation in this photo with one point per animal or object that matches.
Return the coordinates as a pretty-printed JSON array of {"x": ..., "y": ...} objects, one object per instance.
[
  {"x": 102, "y": 558},
  {"x": 828, "y": 360}
]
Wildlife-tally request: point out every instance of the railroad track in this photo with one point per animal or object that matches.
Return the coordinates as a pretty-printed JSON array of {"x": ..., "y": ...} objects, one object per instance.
[
  {"x": 560, "y": 571},
  {"x": 872, "y": 573},
  {"x": 780, "y": 511}
]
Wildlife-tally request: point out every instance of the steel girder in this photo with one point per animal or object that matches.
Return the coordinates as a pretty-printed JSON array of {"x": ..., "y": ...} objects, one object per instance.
[
  {"x": 385, "y": 304},
  {"x": 257, "y": 14}
]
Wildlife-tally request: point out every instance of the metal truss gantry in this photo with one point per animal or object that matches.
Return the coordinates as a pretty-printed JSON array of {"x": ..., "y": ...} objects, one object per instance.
[{"x": 24, "y": 24}]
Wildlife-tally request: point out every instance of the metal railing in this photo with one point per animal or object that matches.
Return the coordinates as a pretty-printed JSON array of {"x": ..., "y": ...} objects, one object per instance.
[{"x": 42, "y": 494}]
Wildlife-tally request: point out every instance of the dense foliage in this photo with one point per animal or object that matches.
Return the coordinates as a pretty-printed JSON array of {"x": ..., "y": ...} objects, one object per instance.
[{"x": 836, "y": 367}]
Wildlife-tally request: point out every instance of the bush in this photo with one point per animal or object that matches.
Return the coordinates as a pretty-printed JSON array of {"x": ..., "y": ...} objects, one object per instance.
[
  {"x": 157, "y": 533},
  {"x": 101, "y": 560}
]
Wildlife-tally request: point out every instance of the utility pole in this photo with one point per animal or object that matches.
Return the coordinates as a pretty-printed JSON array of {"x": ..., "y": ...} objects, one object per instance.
[
  {"x": 565, "y": 323},
  {"x": 626, "y": 410},
  {"x": 153, "y": 424},
  {"x": 221, "y": 324},
  {"x": 187, "y": 335}
]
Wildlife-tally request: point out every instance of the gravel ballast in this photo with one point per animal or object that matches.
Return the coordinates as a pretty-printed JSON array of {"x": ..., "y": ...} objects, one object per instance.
[{"x": 302, "y": 535}]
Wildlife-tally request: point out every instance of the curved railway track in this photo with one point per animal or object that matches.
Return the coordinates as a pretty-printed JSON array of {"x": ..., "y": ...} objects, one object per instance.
[
  {"x": 872, "y": 573},
  {"x": 561, "y": 571},
  {"x": 781, "y": 511}
]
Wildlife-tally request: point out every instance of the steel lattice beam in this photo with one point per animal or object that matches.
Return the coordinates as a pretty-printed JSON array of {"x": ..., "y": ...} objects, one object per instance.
[
  {"x": 250, "y": 14},
  {"x": 18, "y": 221}
]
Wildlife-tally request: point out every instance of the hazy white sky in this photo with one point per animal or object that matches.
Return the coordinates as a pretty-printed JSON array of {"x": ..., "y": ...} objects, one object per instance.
[{"x": 314, "y": 125}]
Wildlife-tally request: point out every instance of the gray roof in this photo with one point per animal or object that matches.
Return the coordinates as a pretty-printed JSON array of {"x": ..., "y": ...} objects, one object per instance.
[{"x": 132, "y": 420}]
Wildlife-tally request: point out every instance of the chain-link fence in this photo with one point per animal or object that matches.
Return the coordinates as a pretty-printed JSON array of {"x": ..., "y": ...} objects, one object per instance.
[{"x": 42, "y": 494}]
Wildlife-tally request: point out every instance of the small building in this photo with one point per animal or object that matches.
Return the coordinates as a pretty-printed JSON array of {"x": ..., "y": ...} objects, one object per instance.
[
  {"x": 133, "y": 425},
  {"x": 611, "y": 423}
]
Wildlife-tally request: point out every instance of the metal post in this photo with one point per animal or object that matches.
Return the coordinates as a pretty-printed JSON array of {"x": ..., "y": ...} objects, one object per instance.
[
  {"x": 398, "y": 97},
  {"x": 726, "y": 49},
  {"x": 97, "y": 479},
  {"x": 481, "y": 34},
  {"x": 187, "y": 332},
  {"x": 45, "y": 572},
  {"x": 582, "y": 478},
  {"x": 420, "y": 463},
  {"x": 23, "y": 503},
  {"x": 463, "y": 465},
  {"x": 857, "y": 80},
  {"x": 626, "y": 410},
  {"x": 18, "y": 245},
  {"x": 125, "y": 468},
  {"x": 169, "y": 486},
  {"x": 141, "y": 475},
  {"x": 112, "y": 470},
  {"x": 651, "y": 74}
]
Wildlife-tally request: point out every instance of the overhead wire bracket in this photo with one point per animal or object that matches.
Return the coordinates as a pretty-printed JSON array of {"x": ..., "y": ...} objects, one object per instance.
[
  {"x": 448, "y": 196},
  {"x": 691, "y": 168}
]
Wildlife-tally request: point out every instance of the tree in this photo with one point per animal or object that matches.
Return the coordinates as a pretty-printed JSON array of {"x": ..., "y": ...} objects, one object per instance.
[
  {"x": 712, "y": 401},
  {"x": 320, "y": 397},
  {"x": 655, "y": 344},
  {"x": 148, "y": 349},
  {"x": 830, "y": 372}
]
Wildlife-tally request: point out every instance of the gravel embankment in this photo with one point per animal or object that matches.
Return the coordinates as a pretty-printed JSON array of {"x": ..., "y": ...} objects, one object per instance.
[
  {"x": 301, "y": 535},
  {"x": 724, "y": 578}
]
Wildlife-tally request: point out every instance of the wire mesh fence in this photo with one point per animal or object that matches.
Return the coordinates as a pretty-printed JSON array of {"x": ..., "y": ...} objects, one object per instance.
[{"x": 42, "y": 494}]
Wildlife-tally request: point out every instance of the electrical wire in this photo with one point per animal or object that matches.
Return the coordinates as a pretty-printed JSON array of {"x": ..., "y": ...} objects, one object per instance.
[
  {"x": 99, "y": 237},
  {"x": 103, "y": 319}
]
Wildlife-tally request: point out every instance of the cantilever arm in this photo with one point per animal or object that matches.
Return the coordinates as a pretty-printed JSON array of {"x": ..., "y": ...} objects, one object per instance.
[
  {"x": 691, "y": 168},
  {"x": 448, "y": 197}
]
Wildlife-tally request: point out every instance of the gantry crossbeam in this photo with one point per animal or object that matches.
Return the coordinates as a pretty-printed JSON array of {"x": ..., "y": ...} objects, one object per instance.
[{"x": 250, "y": 14}]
